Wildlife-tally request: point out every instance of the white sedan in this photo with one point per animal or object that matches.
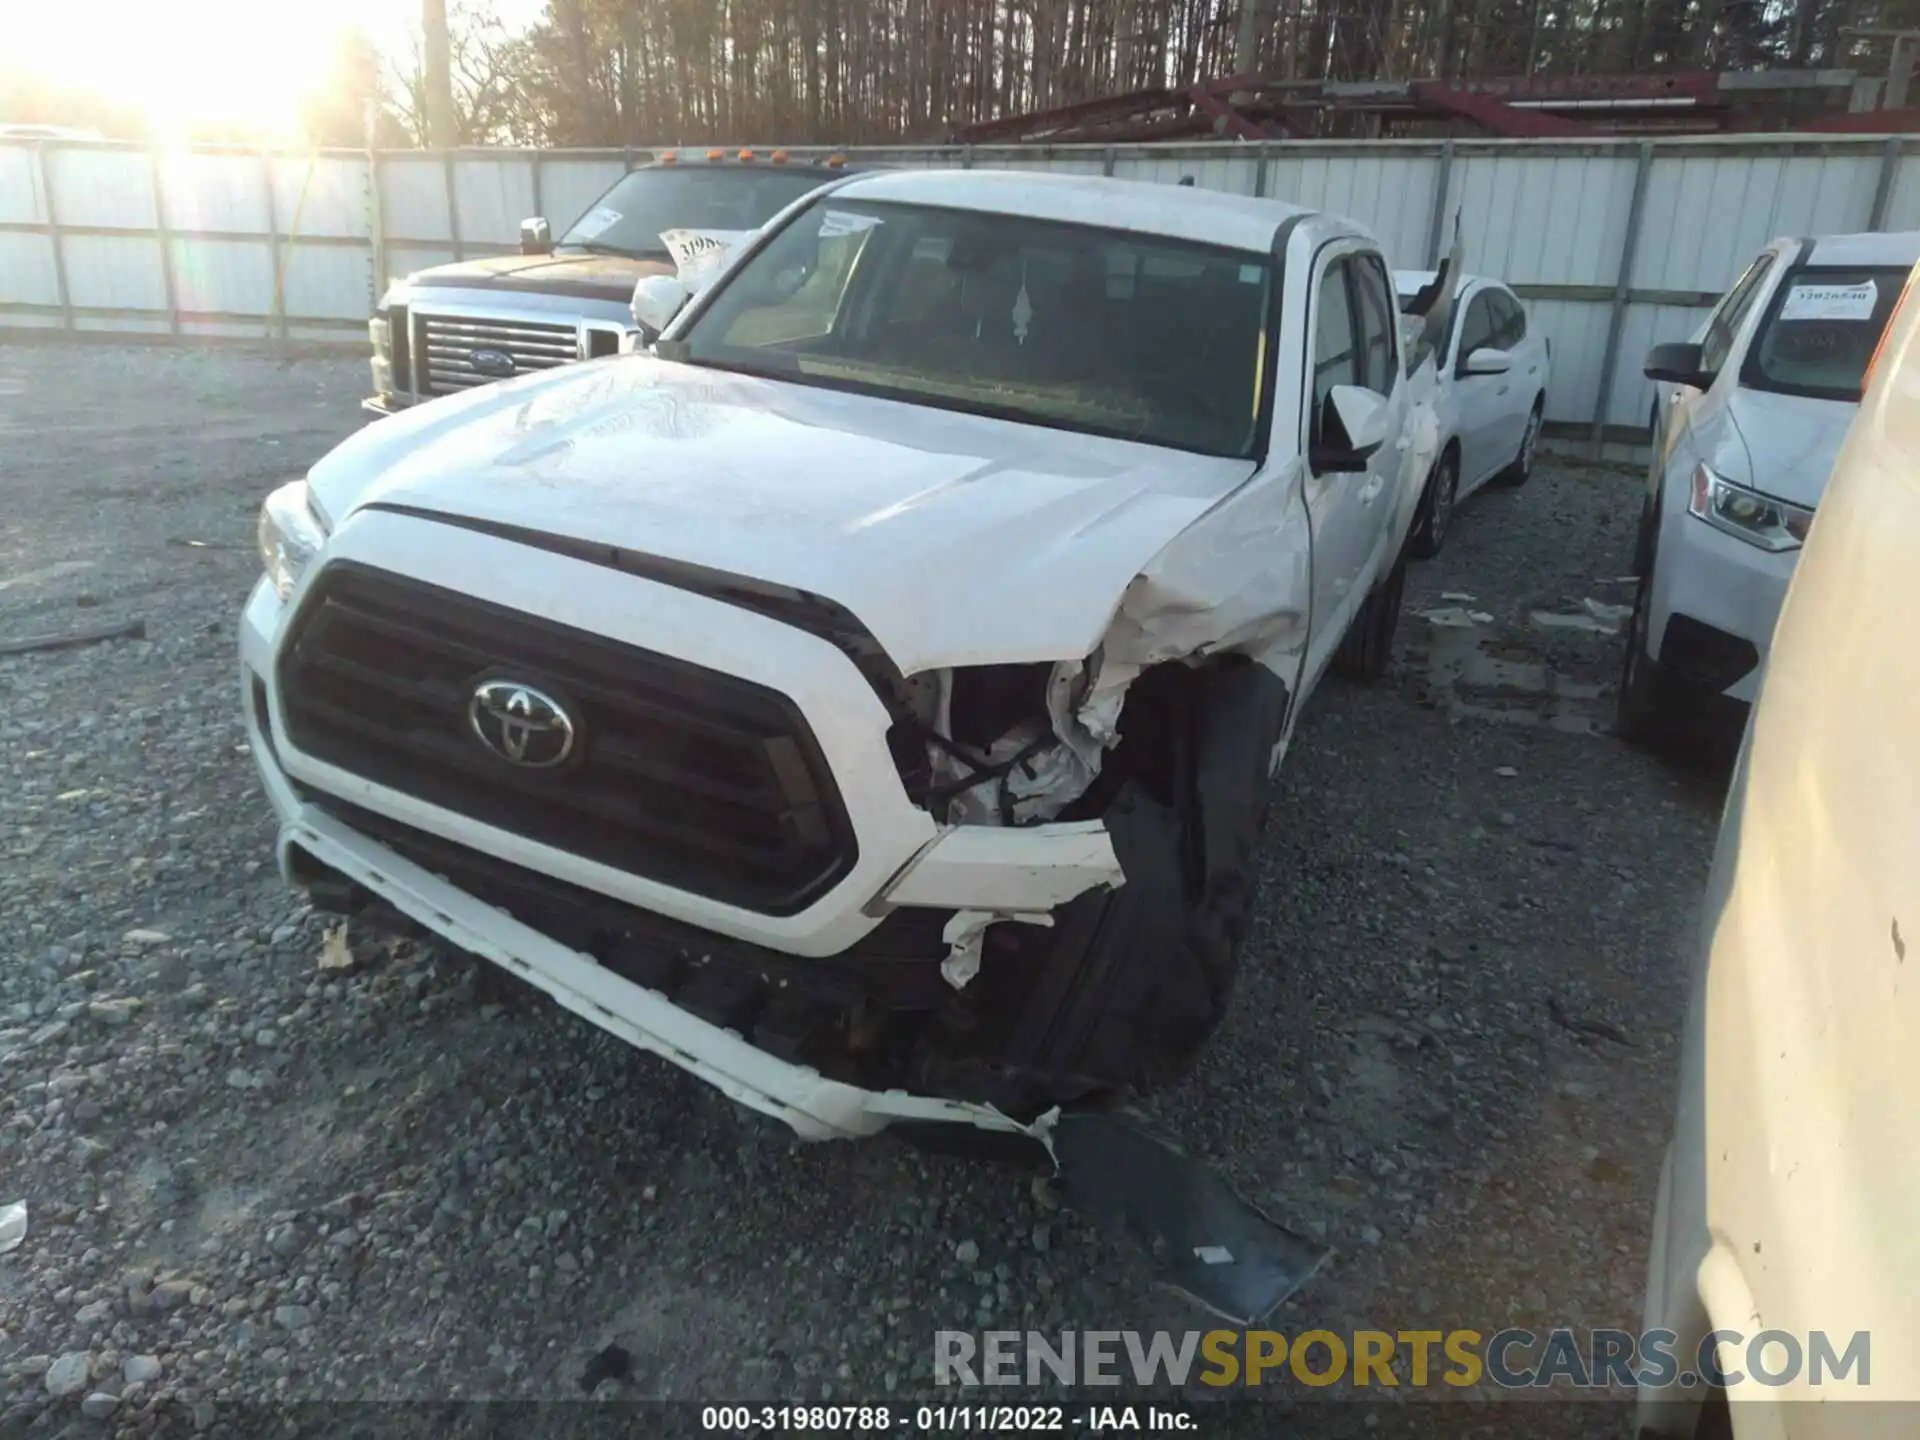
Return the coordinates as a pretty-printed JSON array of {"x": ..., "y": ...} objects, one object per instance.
[
  {"x": 1752, "y": 414},
  {"x": 1783, "y": 1259},
  {"x": 1494, "y": 368}
]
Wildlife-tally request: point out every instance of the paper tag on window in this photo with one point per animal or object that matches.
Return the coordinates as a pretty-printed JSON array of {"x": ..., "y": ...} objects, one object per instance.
[
  {"x": 594, "y": 222},
  {"x": 699, "y": 254},
  {"x": 841, "y": 222},
  {"x": 1831, "y": 302}
]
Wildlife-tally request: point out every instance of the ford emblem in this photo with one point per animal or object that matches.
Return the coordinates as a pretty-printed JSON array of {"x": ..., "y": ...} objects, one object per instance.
[{"x": 497, "y": 363}]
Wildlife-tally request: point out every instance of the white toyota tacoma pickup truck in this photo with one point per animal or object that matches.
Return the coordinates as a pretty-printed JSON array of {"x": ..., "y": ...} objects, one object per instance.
[{"x": 867, "y": 699}]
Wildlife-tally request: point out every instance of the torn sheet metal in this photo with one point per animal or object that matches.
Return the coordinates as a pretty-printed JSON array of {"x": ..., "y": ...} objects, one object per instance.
[
  {"x": 965, "y": 933},
  {"x": 1207, "y": 1240},
  {"x": 999, "y": 870}
]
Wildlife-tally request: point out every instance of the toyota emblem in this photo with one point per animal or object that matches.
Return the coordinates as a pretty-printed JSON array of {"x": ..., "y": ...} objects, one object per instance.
[{"x": 520, "y": 724}]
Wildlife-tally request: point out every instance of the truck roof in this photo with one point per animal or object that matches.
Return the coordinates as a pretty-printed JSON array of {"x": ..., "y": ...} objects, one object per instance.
[{"x": 1178, "y": 212}]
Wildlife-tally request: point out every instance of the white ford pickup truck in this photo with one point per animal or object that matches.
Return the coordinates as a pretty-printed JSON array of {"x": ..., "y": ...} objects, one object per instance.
[{"x": 867, "y": 699}]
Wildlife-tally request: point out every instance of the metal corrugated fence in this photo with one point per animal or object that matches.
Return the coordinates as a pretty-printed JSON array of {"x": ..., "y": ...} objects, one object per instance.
[{"x": 1616, "y": 244}]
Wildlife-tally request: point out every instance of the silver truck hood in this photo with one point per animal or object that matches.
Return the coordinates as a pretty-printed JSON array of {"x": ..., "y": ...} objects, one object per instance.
[{"x": 956, "y": 539}]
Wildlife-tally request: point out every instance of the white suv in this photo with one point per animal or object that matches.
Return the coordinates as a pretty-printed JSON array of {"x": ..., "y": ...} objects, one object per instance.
[
  {"x": 1750, "y": 416},
  {"x": 865, "y": 701}
]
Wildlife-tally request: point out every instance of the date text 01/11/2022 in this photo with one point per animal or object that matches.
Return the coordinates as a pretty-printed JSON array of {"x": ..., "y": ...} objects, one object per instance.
[{"x": 941, "y": 1419}]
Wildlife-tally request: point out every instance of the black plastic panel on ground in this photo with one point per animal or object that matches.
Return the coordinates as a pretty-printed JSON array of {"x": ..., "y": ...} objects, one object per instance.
[{"x": 696, "y": 779}]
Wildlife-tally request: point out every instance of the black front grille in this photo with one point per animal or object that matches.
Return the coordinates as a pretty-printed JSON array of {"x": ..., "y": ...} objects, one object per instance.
[{"x": 699, "y": 780}]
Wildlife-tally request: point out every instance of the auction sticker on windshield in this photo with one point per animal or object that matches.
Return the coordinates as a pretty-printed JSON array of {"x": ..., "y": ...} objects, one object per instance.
[
  {"x": 594, "y": 222},
  {"x": 1831, "y": 302},
  {"x": 841, "y": 222}
]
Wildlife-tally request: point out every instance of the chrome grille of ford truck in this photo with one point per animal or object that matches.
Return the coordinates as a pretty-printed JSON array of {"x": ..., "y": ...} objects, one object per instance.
[{"x": 447, "y": 344}]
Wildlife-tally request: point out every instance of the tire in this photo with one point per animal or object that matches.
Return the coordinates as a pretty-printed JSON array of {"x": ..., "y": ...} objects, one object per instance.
[
  {"x": 1368, "y": 646},
  {"x": 1431, "y": 521},
  {"x": 1521, "y": 470},
  {"x": 1641, "y": 714},
  {"x": 1139, "y": 979}
]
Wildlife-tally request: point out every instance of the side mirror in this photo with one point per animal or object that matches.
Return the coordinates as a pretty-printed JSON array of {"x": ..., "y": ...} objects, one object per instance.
[
  {"x": 536, "y": 236},
  {"x": 1487, "y": 361},
  {"x": 1678, "y": 365},
  {"x": 656, "y": 300},
  {"x": 1352, "y": 426}
]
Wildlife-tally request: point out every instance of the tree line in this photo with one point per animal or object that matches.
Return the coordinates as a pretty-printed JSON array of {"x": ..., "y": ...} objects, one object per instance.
[
  {"x": 653, "y": 72},
  {"x": 691, "y": 72}
]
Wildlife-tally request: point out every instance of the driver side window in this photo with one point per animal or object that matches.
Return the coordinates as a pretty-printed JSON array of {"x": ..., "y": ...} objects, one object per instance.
[
  {"x": 1336, "y": 351},
  {"x": 1733, "y": 310},
  {"x": 1476, "y": 329}
]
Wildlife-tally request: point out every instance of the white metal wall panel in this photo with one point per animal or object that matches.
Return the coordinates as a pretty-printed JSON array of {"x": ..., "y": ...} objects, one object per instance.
[
  {"x": 123, "y": 325},
  {"x": 1230, "y": 173},
  {"x": 102, "y": 187},
  {"x": 413, "y": 199},
  {"x": 1577, "y": 330},
  {"x": 1062, "y": 164},
  {"x": 1644, "y": 327},
  {"x": 21, "y": 200},
  {"x": 1541, "y": 219},
  {"x": 1706, "y": 214},
  {"x": 1392, "y": 195},
  {"x": 494, "y": 197},
  {"x": 215, "y": 192},
  {"x": 569, "y": 187},
  {"x": 328, "y": 281},
  {"x": 403, "y": 260},
  {"x": 323, "y": 196},
  {"x": 234, "y": 276},
  {"x": 118, "y": 270},
  {"x": 27, "y": 274},
  {"x": 1903, "y": 199}
]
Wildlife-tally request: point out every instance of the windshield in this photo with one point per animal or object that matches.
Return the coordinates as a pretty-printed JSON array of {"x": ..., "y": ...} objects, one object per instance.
[
  {"x": 628, "y": 219},
  {"x": 1094, "y": 330},
  {"x": 1820, "y": 330}
]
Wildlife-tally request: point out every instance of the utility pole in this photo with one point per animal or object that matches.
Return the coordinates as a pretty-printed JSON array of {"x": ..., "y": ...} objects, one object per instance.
[{"x": 442, "y": 131}]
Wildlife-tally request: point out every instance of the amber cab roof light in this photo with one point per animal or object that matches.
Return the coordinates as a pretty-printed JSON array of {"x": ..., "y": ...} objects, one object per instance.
[
  {"x": 668, "y": 158},
  {"x": 836, "y": 160},
  {"x": 716, "y": 154},
  {"x": 779, "y": 157}
]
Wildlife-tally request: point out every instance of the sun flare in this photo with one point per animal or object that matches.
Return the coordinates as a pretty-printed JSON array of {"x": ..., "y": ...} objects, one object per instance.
[{"x": 244, "y": 64}]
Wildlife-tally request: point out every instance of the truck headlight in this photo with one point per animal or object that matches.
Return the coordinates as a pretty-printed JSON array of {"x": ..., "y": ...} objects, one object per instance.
[
  {"x": 291, "y": 534},
  {"x": 1747, "y": 514}
]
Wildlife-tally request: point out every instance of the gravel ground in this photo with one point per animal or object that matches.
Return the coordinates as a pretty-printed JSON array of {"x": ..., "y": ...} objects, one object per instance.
[{"x": 253, "y": 1179}]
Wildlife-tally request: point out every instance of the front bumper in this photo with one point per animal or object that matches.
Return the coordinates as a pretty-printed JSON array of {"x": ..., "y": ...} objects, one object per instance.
[
  {"x": 1730, "y": 591},
  {"x": 905, "y": 861}
]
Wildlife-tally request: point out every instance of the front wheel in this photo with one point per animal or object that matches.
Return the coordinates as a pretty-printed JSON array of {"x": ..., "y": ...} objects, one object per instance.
[
  {"x": 1436, "y": 508},
  {"x": 1364, "y": 653},
  {"x": 1641, "y": 713}
]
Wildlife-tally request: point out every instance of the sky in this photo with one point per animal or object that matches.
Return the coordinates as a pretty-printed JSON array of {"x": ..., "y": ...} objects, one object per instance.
[{"x": 233, "y": 62}]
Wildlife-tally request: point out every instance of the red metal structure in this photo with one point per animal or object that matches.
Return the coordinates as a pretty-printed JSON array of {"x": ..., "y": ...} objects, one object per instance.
[{"x": 1249, "y": 107}]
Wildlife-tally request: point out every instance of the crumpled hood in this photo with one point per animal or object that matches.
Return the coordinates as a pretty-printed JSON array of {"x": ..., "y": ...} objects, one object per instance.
[
  {"x": 1791, "y": 441},
  {"x": 956, "y": 540},
  {"x": 592, "y": 277}
]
